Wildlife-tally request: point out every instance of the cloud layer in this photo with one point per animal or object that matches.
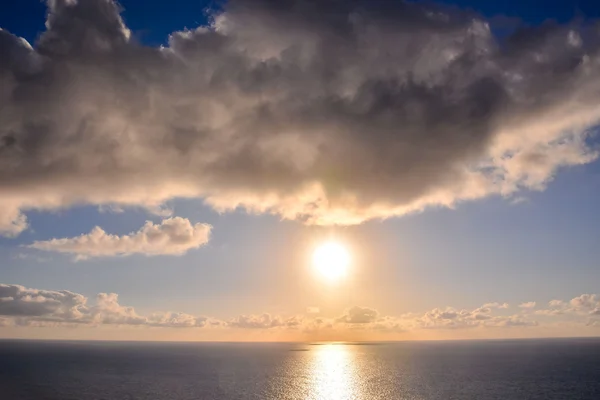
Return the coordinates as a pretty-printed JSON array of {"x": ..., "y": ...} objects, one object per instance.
[
  {"x": 326, "y": 112},
  {"x": 33, "y": 307},
  {"x": 586, "y": 305},
  {"x": 22, "y": 306},
  {"x": 173, "y": 236}
]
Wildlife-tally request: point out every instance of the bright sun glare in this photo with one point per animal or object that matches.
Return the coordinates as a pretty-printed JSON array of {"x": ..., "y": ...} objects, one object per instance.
[{"x": 331, "y": 260}]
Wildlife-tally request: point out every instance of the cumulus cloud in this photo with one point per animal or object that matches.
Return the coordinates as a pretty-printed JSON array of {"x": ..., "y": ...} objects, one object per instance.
[
  {"x": 326, "y": 112},
  {"x": 264, "y": 321},
  {"x": 448, "y": 318},
  {"x": 514, "y": 321},
  {"x": 35, "y": 307},
  {"x": 482, "y": 317},
  {"x": 589, "y": 305},
  {"x": 496, "y": 305},
  {"x": 108, "y": 311},
  {"x": 173, "y": 236},
  {"x": 18, "y": 301},
  {"x": 527, "y": 305},
  {"x": 584, "y": 305},
  {"x": 359, "y": 315},
  {"x": 365, "y": 318},
  {"x": 585, "y": 302},
  {"x": 556, "y": 303},
  {"x": 180, "y": 320}
]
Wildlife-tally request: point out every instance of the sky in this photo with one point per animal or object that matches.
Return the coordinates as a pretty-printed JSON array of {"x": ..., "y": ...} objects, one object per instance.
[{"x": 168, "y": 169}]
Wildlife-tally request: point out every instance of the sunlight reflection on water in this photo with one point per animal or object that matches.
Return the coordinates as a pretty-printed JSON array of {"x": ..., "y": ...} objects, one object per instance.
[
  {"x": 495, "y": 370},
  {"x": 334, "y": 373}
]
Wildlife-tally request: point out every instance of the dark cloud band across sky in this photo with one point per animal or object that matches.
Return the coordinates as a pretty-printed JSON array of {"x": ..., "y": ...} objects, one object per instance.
[{"x": 327, "y": 112}]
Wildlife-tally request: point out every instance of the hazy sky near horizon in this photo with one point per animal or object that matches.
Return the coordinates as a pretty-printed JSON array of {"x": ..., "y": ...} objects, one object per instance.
[{"x": 168, "y": 168}]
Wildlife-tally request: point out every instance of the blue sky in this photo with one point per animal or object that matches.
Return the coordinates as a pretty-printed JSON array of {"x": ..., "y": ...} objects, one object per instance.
[{"x": 535, "y": 245}]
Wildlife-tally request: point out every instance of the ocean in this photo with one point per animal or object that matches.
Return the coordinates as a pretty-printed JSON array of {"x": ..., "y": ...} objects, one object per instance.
[{"x": 566, "y": 369}]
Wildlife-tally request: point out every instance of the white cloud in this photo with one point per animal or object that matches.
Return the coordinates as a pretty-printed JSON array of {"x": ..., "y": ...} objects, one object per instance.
[
  {"x": 41, "y": 308},
  {"x": 173, "y": 236},
  {"x": 482, "y": 317},
  {"x": 364, "y": 318},
  {"x": 178, "y": 320},
  {"x": 513, "y": 321},
  {"x": 326, "y": 114},
  {"x": 528, "y": 305},
  {"x": 108, "y": 311},
  {"x": 585, "y": 302},
  {"x": 12, "y": 222},
  {"x": 496, "y": 305},
  {"x": 585, "y": 305},
  {"x": 264, "y": 321}
]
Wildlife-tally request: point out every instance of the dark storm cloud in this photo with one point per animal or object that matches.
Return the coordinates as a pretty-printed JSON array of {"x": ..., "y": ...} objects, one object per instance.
[{"x": 327, "y": 112}]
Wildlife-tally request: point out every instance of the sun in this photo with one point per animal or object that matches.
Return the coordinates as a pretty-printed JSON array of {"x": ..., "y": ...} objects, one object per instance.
[{"x": 331, "y": 260}]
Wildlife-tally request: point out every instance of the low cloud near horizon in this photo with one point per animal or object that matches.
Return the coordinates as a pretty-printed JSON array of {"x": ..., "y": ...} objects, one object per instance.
[
  {"x": 21, "y": 306},
  {"x": 325, "y": 112}
]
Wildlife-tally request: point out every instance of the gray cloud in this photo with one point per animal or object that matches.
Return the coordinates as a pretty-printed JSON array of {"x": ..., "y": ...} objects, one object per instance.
[
  {"x": 34, "y": 307},
  {"x": 173, "y": 236},
  {"x": 359, "y": 315},
  {"x": 326, "y": 112},
  {"x": 22, "y": 302}
]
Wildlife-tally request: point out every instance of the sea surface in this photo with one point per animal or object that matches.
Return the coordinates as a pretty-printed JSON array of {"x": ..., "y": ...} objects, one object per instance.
[{"x": 482, "y": 370}]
